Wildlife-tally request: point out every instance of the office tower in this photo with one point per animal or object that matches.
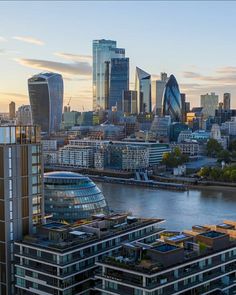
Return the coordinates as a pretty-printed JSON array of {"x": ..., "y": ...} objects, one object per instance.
[
  {"x": 172, "y": 104},
  {"x": 21, "y": 203},
  {"x": 183, "y": 102},
  {"x": 61, "y": 258},
  {"x": 143, "y": 88},
  {"x": 119, "y": 81},
  {"x": 12, "y": 110},
  {"x": 160, "y": 128},
  {"x": 103, "y": 52},
  {"x": 209, "y": 103},
  {"x": 24, "y": 116},
  {"x": 46, "y": 100},
  {"x": 130, "y": 102},
  {"x": 158, "y": 87},
  {"x": 227, "y": 98}
]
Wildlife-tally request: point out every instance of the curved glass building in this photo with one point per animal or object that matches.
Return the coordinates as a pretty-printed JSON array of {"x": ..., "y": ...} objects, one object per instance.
[
  {"x": 143, "y": 88},
  {"x": 172, "y": 104},
  {"x": 71, "y": 196},
  {"x": 46, "y": 100}
]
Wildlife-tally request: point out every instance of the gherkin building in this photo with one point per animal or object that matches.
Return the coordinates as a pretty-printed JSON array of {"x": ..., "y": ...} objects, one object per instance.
[{"x": 172, "y": 104}]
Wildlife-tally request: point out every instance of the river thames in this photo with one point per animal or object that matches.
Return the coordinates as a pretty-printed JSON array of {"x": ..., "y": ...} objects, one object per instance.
[{"x": 180, "y": 209}]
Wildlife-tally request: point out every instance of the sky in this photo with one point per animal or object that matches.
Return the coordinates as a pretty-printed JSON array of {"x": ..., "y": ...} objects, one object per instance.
[{"x": 195, "y": 41}]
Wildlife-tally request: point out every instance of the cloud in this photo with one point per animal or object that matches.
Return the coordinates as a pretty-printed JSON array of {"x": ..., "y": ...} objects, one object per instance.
[
  {"x": 30, "y": 40},
  {"x": 2, "y": 39},
  {"x": 74, "y": 57},
  {"x": 74, "y": 68},
  {"x": 191, "y": 75},
  {"x": 14, "y": 95}
]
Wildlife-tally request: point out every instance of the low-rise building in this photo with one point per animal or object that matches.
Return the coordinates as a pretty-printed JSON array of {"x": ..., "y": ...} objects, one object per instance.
[{"x": 188, "y": 147}]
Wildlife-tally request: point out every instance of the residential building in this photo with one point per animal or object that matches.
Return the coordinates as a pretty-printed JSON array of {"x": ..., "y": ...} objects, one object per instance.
[
  {"x": 129, "y": 100},
  {"x": 209, "y": 103},
  {"x": 46, "y": 100},
  {"x": 75, "y": 156},
  {"x": 21, "y": 193},
  {"x": 143, "y": 88},
  {"x": 71, "y": 197},
  {"x": 24, "y": 115},
  {"x": 200, "y": 261},
  {"x": 172, "y": 104},
  {"x": 229, "y": 127},
  {"x": 226, "y": 101},
  {"x": 60, "y": 259},
  {"x": 156, "y": 149},
  {"x": 12, "y": 110}
]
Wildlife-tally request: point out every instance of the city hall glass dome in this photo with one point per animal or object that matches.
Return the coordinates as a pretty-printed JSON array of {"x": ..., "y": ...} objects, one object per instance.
[{"x": 71, "y": 196}]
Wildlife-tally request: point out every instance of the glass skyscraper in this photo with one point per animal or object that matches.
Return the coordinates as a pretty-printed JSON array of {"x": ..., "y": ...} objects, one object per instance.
[
  {"x": 172, "y": 104},
  {"x": 103, "y": 53},
  {"x": 119, "y": 81},
  {"x": 143, "y": 88},
  {"x": 46, "y": 100}
]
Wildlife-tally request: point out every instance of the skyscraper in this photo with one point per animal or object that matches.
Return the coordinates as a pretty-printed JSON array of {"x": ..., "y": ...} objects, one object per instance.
[
  {"x": 130, "y": 102},
  {"x": 12, "y": 110},
  {"x": 21, "y": 203},
  {"x": 227, "y": 98},
  {"x": 46, "y": 100},
  {"x": 103, "y": 53},
  {"x": 209, "y": 103},
  {"x": 119, "y": 81},
  {"x": 143, "y": 88},
  {"x": 158, "y": 87},
  {"x": 172, "y": 104}
]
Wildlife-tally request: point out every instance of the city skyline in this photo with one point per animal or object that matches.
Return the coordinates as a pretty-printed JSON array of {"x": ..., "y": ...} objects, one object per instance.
[{"x": 197, "y": 48}]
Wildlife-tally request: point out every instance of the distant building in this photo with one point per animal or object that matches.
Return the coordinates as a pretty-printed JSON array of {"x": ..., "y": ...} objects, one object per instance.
[
  {"x": 143, "y": 88},
  {"x": 46, "y": 100},
  {"x": 229, "y": 127},
  {"x": 75, "y": 156},
  {"x": 184, "y": 135},
  {"x": 160, "y": 128},
  {"x": 12, "y": 110},
  {"x": 24, "y": 115},
  {"x": 226, "y": 103},
  {"x": 201, "y": 135},
  {"x": 175, "y": 129},
  {"x": 71, "y": 197},
  {"x": 172, "y": 104},
  {"x": 119, "y": 81},
  {"x": 188, "y": 147},
  {"x": 21, "y": 194},
  {"x": 216, "y": 134},
  {"x": 158, "y": 87},
  {"x": 209, "y": 103},
  {"x": 110, "y": 73},
  {"x": 130, "y": 102}
]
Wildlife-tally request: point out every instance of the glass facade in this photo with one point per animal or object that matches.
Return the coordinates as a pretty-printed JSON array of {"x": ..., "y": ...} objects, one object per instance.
[
  {"x": 71, "y": 196},
  {"x": 119, "y": 81},
  {"x": 129, "y": 102},
  {"x": 46, "y": 100},
  {"x": 172, "y": 104},
  {"x": 103, "y": 52},
  {"x": 143, "y": 88}
]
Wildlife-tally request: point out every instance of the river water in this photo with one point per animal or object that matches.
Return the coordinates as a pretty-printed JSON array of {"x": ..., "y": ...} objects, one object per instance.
[{"x": 180, "y": 209}]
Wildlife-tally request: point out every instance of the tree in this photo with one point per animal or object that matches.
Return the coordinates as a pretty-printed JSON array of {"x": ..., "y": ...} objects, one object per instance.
[
  {"x": 174, "y": 158},
  {"x": 213, "y": 147},
  {"x": 232, "y": 145},
  {"x": 225, "y": 156}
]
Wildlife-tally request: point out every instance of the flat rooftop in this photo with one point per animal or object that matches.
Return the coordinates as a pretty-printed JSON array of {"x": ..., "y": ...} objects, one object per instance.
[{"x": 212, "y": 234}]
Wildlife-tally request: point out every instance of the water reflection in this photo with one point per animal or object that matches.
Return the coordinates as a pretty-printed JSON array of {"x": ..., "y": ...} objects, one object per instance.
[{"x": 180, "y": 209}]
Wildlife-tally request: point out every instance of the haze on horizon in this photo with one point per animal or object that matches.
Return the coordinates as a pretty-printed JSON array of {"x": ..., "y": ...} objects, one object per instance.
[{"x": 192, "y": 40}]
